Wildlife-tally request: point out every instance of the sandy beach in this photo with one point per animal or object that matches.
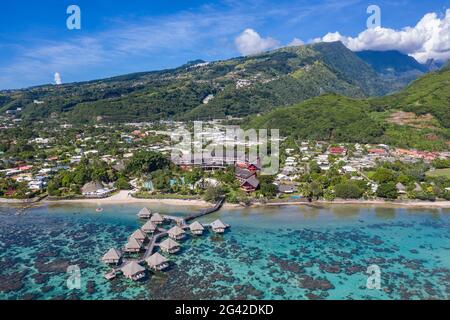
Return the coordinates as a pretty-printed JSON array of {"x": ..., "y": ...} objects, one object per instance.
[
  {"x": 125, "y": 197},
  {"x": 404, "y": 204}
]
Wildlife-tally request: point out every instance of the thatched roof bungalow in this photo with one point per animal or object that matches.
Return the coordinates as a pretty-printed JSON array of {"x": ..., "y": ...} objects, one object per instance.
[
  {"x": 133, "y": 271},
  {"x": 133, "y": 245},
  {"x": 113, "y": 256},
  {"x": 144, "y": 213},
  {"x": 91, "y": 188},
  {"x": 157, "y": 262},
  {"x": 149, "y": 227},
  {"x": 197, "y": 228},
  {"x": 176, "y": 233},
  {"x": 218, "y": 226},
  {"x": 139, "y": 235},
  {"x": 169, "y": 246},
  {"x": 157, "y": 219}
]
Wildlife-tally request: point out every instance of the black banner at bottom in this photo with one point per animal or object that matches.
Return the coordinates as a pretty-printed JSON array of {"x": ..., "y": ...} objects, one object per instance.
[{"x": 181, "y": 310}]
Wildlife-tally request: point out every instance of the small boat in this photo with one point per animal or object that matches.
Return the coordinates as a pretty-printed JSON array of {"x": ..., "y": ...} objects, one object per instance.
[{"x": 98, "y": 210}]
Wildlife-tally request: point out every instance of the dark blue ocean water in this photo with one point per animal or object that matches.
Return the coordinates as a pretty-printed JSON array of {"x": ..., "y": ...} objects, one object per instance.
[{"x": 269, "y": 253}]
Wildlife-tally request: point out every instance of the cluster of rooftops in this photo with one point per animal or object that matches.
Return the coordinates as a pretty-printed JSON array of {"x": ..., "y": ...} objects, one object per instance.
[{"x": 146, "y": 237}]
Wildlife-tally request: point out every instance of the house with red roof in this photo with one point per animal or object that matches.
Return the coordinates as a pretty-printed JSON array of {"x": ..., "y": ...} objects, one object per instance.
[{"x": 338, "y": 151}]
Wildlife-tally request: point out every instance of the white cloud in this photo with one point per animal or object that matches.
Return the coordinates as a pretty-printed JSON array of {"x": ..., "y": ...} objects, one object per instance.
[
  {"x": 58, "y": 80},
  {"x": 250, "y": 42},
  {"x": 429, "y": 39},
  {"x": 296, "y": 42}
]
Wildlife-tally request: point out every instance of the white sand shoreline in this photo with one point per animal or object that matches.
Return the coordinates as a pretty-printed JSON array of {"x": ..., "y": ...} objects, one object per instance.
[
  {"x": 403, "y": 204},
  {"x": 123, "y": 197}
]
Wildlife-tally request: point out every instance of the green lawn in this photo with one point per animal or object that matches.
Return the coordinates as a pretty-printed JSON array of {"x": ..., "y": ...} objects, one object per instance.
[{"x": 439, "y": 173}]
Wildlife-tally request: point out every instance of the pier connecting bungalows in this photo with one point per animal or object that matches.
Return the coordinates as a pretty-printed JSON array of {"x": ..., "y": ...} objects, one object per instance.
[
  {"x": 176, "y": 233},
  {"x": 197, "y": 228},
  {"x": 113, "y": 256},
  {"x": 157, "y": 262},
  {"x": 169, "y": 246},
  {"x": 133, "y": 271}
]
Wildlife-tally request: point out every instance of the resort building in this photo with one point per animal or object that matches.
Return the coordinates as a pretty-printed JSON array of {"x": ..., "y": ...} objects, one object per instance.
[
  {"x": 176, "y": 233},
  {"x": 401, "y": 189},
  {"x": 133, "y": 271},
  {"x": 243, "y": 174},
  {"x": 149, "y": 227},
  {"x": 139, "y": 235},
  {"x": 169, "y": 246},
  {"x": 133, "y": 246},
  {"x": 218, "y": 226},
  {"x": 95, "y": 190},
  {"x": 144, "y": 214},
  {"x": 197, "y": 228},
  {"x": 113, "y": 256},
  {"x": 247, "y": 179},
  {"x": 157, "y": 219},
  {"x": 286, "y": 188},
  {"x": 250, "y": 185},
  {"x": 157, "y": 262}
]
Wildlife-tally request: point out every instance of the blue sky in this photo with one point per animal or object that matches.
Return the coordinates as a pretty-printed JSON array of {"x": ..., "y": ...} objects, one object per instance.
[{"x": 120, "y": 37}]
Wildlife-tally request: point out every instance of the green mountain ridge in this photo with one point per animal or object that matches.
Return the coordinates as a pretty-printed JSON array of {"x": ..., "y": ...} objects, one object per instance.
[
  {"x": 234, "y": 87},
  {"x": 417, "y": 117}
]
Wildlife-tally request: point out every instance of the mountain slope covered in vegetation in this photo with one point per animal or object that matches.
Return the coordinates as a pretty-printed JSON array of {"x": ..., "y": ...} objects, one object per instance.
[
  {"x": 199, "y": 90},
  {"x": 417, "y": 117}
]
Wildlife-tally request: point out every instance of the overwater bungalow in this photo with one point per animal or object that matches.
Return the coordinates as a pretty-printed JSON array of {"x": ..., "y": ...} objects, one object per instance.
[
  {"x": 197, "y": 228},
  {"x": 149, "y": 227},
  {"x": 113, "y": 256},
  {"x": 110, "y": 275},
  {"x": 133, "y": 245},
  {"x": 169, "y": 246},
  {"x": 176, "y": 233},
  {"x": 218, "y": 226},
  {"x": 133, "y": 271},
  {"x": 157, "y": 219},
  {"x": 139, "y": 235},
  {"x": 157, "y": 262},
  {"x": 144, "y": 214}
]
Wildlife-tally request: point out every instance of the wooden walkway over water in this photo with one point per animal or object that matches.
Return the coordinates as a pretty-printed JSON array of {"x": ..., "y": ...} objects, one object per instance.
[{"x": 161, "y": 233}]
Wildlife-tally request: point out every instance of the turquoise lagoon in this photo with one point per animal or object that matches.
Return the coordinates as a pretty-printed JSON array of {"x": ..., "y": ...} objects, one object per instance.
[{"x": 269, "y": 253}]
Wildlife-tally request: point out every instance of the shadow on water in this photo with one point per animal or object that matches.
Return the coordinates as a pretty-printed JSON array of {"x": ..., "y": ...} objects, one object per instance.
[
  {"x": 385, "y": 213},
  {"x": 345, "y": 212}
]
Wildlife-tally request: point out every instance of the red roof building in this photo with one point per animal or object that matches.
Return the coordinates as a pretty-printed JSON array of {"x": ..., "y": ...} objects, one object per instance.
[
  {"x": 377, "y": 151},
  {"x": 338, "y": 151}
]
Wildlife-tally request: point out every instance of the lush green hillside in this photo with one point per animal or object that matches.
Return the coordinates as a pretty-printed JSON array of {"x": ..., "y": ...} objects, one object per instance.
[
  {"x": 428, "y": 94},
  {"x": 417, "y": 117},
  {"x": 236, "y": 87},
  {"x": 328, "y": 117}
]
